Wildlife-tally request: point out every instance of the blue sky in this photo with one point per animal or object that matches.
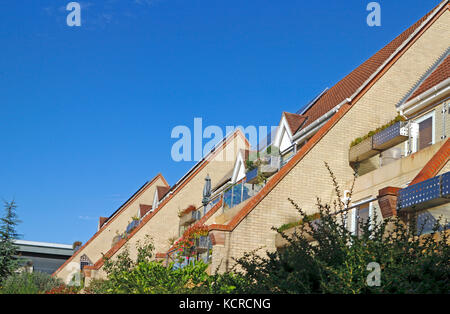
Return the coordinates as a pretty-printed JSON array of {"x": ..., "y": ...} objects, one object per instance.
[{"x": 87, "y": 112}]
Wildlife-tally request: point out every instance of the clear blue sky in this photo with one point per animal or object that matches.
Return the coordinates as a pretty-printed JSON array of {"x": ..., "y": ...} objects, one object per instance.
[{"x": 86, "y": 113}]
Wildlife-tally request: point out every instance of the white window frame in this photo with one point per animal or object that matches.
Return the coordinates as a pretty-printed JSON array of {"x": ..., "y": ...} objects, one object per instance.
[
  {"x": 415, "y": 139},
  {"x": 355, "y": 211}
]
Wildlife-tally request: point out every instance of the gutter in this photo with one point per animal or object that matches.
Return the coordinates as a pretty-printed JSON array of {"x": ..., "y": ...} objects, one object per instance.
[{"x": 425, "y": 98}]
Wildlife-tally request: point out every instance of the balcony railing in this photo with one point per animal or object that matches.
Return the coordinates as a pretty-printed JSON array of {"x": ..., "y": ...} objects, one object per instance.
[
  {"x": 380, "y": 141},
  {"x": 391, "y": 136},
  {"x": 252, "y": 176},
  {"x": 132, "y": 225},
  {"x": 426, "y": 194},
  {"x": 202, "y": 244}
]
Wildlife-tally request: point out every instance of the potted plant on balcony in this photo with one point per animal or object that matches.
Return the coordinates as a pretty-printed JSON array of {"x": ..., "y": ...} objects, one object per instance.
[
  {"x": 381, "y": 138},
  {"x": 186, "y": 247},
  {"x": 187, "y": 215}
]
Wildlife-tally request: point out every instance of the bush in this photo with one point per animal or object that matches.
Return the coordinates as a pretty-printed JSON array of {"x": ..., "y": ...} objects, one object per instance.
[
  {"x": 29, "y": 283},
  {"x": 336, "y": 261}
]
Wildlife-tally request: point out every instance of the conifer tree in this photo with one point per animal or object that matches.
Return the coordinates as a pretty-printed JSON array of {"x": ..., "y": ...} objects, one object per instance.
[{"x": 8, "y": 250}]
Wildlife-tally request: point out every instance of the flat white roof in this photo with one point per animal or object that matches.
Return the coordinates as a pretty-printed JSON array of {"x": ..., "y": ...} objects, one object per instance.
[{"x": 44, "y": 244}]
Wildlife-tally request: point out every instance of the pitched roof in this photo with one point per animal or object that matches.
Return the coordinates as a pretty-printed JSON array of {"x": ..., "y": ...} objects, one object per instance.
[
  {"x": 440, "y": 73},
  {"x": 304, "y": 150},
  {"x": 295, "y": 121},
  {"x": 352, "y": 82}
]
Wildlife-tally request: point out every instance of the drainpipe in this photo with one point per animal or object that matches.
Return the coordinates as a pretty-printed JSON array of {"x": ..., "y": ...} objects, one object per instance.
[{"x": 444, "y": 114}]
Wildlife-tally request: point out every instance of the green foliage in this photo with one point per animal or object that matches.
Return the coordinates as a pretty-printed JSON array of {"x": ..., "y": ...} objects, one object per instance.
[
  {"x": 144, "y": 276},
  {"x": 8, "y": 251},
  {"x": 29, "y": 283},
  {"x": 373, "y": 132},
  {"x": 298, "y": 222}
]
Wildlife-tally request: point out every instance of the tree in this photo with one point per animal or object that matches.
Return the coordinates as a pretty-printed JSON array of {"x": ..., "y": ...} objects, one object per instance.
[{"x": 8, "y": 250}]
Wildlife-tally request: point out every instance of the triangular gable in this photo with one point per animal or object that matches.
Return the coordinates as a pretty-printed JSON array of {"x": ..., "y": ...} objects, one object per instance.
[
  {"x": 284, "y": 137},
  {"x": 239, "y": 168}
]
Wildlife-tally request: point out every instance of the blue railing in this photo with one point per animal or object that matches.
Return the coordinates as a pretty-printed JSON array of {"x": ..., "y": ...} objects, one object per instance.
[
  {"x": 429, "y": 193},
  {"x": 132, "y": 225},
  {"x": 252, "y": 175}
]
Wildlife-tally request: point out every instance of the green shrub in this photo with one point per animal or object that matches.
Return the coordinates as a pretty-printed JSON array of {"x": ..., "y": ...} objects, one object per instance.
[
  {"x": 337, "y": 260},
  {"x": 29, "y": 283}
]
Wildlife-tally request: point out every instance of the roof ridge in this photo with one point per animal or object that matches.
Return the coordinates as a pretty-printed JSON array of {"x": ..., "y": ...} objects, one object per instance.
[{"x": 357, "y": 79}]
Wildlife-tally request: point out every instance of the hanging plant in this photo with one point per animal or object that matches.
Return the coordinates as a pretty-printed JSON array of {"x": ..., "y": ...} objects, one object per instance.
[{"x": 186, "y": 245}]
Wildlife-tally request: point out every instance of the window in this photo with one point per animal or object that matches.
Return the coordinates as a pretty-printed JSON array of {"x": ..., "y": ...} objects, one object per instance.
[
  {"x": 85, "y": 261},
  {"x": 427, "y": 219},
  {"x": 425, "y": 137},
  {"x": 360, "y": 217}
]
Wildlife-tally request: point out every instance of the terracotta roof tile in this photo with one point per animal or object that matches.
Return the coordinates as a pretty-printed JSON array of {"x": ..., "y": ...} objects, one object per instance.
[
  {"x": 295, "y": 121},
  {"x": 144, "y": 209},
  {"x": 353, "y": 81},
  {"x": 162, "y": 191}
]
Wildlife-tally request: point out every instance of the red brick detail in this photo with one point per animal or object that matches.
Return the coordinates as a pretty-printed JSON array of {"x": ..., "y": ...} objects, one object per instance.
[
  {"x": 435, "y": 164},
  {"x": 161, "y": 255},
  {"x": 217, "y": 237},
  {"x": 387, "y": 199},
  {"x": 87, "y": 273}
]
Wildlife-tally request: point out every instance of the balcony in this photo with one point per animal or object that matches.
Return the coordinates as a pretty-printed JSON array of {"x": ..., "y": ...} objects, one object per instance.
[
  {"x": 391, "y": 136},
  {"x": 252, "y": 176},
  {"x": 379, "y": 140},
  {"x": 202, "y": 244},
  {"x": 362, "y": 151},
  {"x": 270, "y": 165},
  {"x": 132, "y": 225},
  {"x": 430, "y": 193}
]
